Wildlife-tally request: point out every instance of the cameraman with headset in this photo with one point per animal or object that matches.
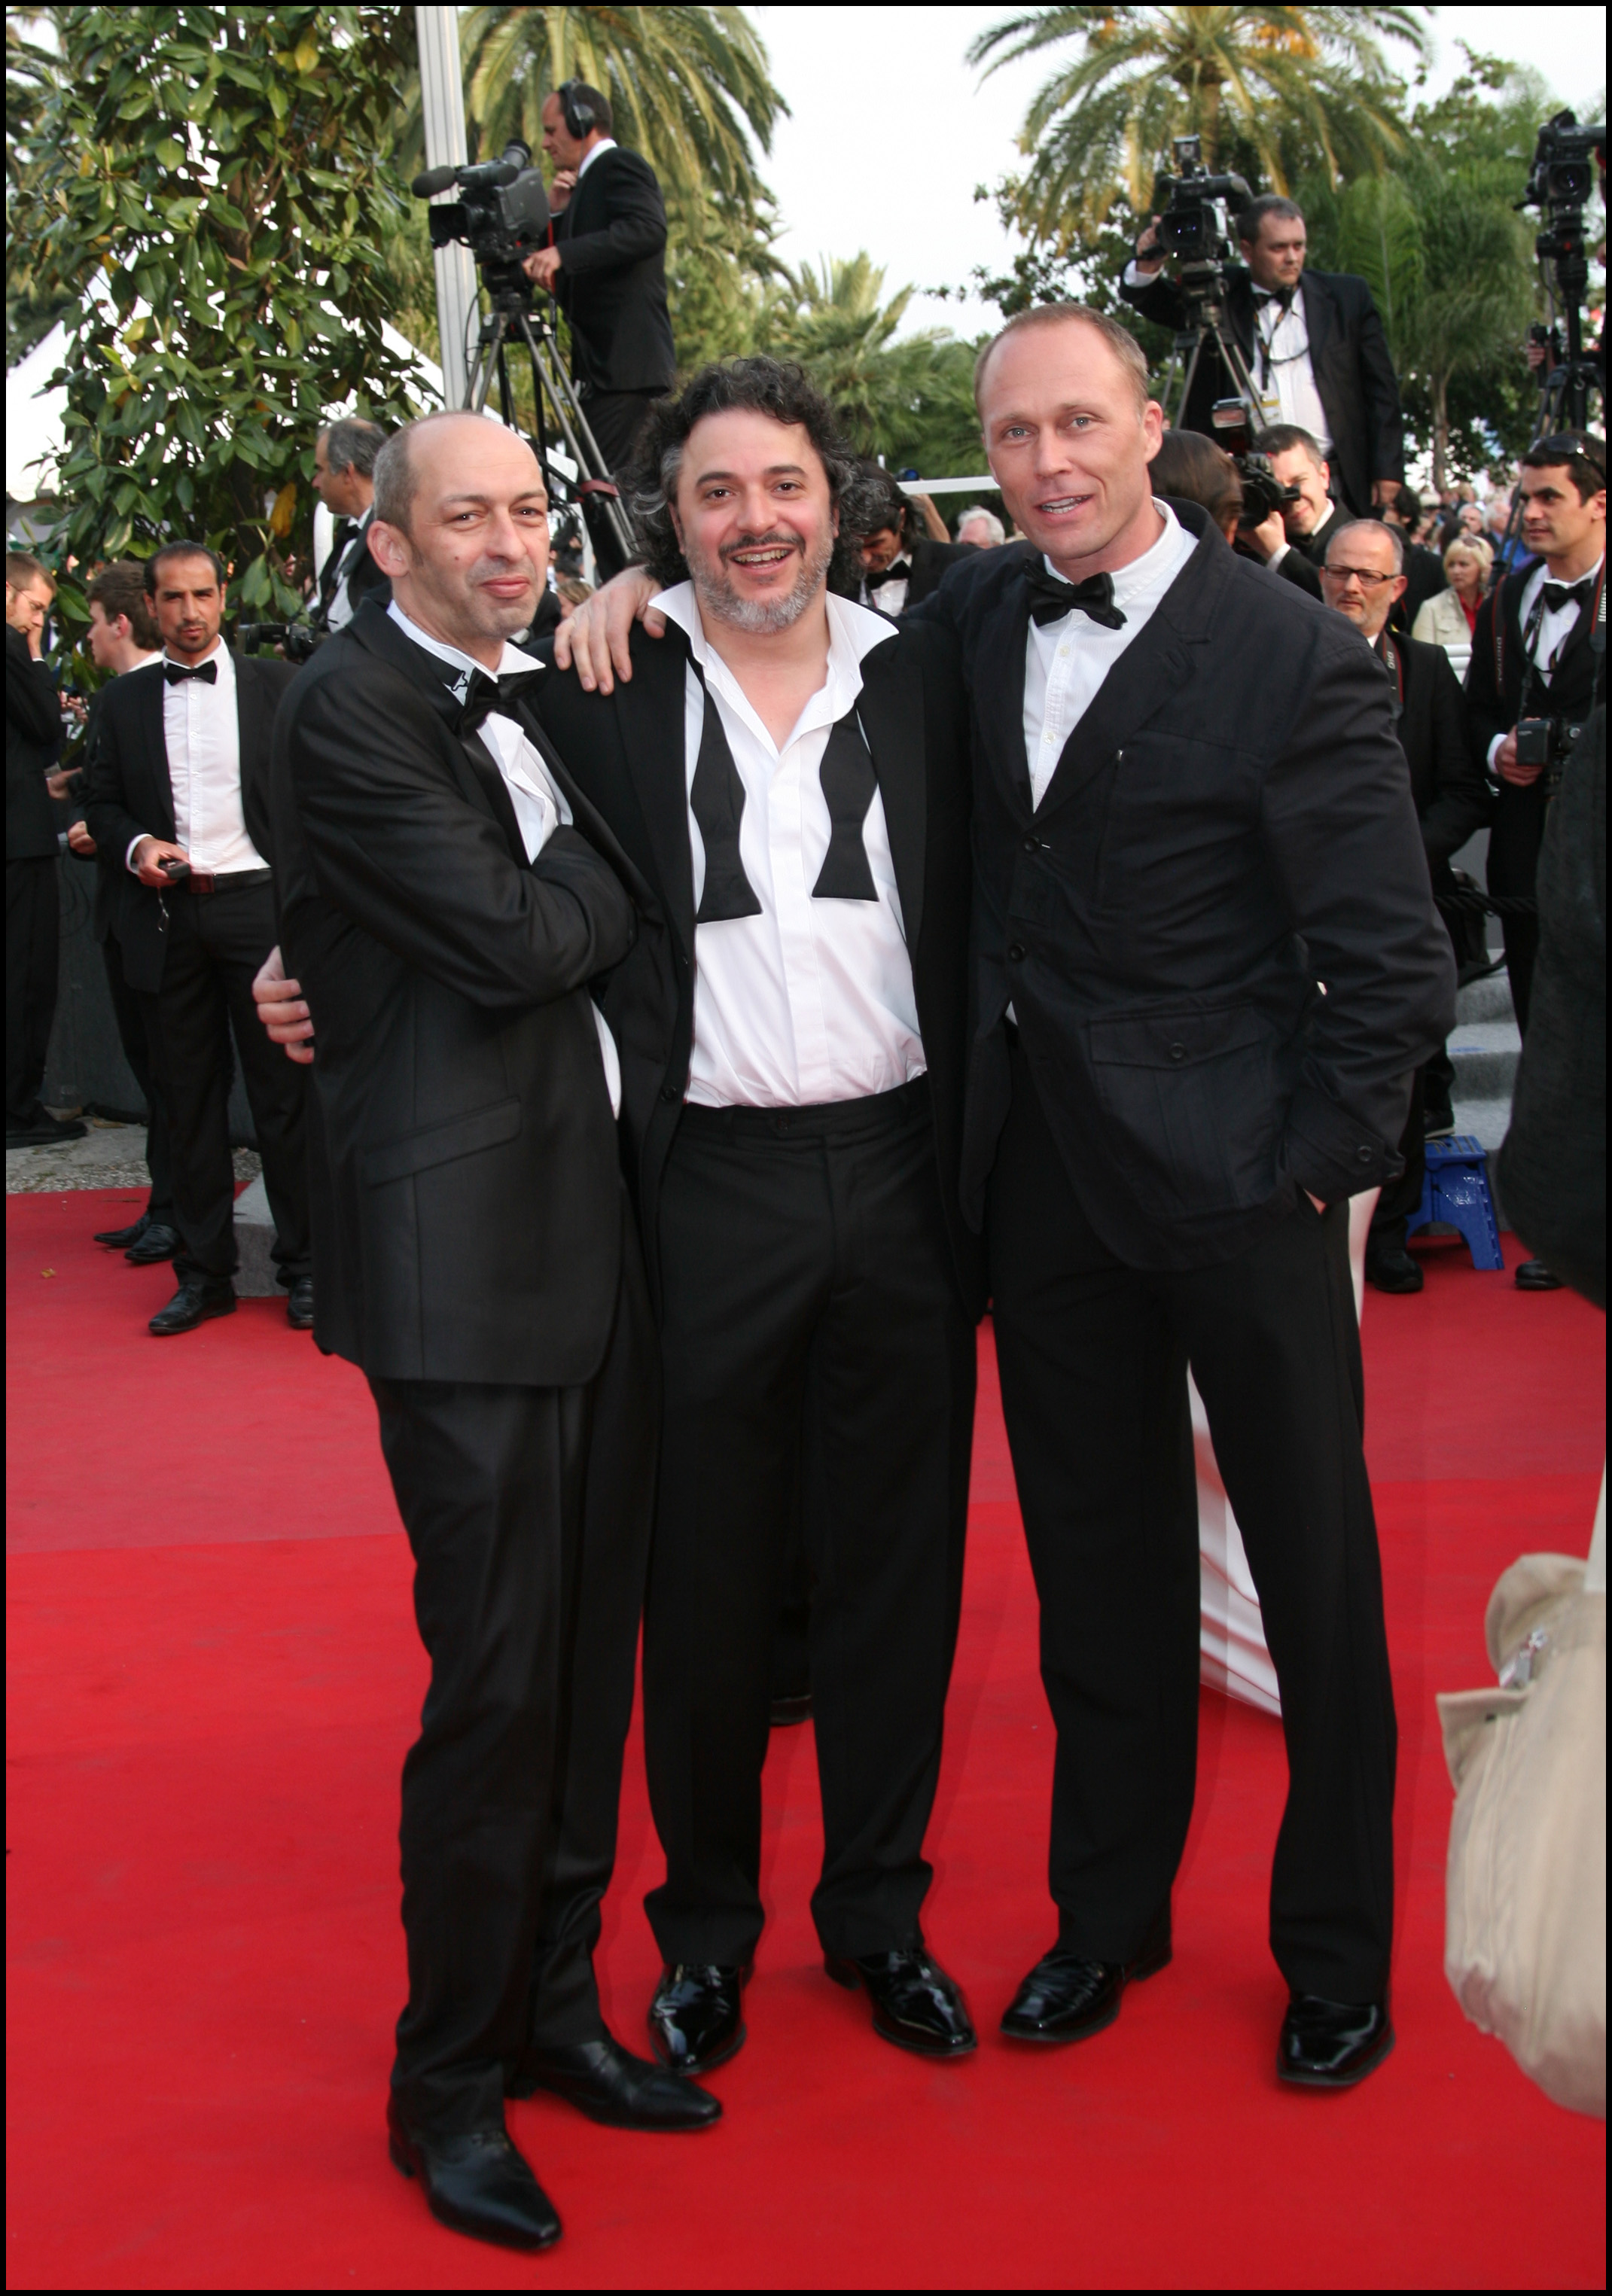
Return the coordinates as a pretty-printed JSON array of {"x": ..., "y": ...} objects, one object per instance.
[{"x": 606, "y": 267}]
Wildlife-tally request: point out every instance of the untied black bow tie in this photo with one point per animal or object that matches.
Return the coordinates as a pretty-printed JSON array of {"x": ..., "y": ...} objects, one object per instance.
[
  {"x": 1050, "y": 599},
  {"x": 176, "y": 672},
  {"x": 485, "y": 695},
  {"x": 1558, "y": 595}
]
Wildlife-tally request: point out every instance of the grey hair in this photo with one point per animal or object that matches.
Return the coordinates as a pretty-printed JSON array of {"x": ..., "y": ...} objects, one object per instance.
[
  {"x": 352, "y": 444},
  {"x": 1372, "y": 526},
  {"x": 980, "y": 516}
]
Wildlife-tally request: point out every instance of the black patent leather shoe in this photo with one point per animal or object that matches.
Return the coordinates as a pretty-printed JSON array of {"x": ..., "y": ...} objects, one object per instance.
[
  {"x": 786, "y": 1713},
  {"x": 119, "y": 1239},
  {"x": 1393, "y": 1271},
  {"x": 695, "y": 2020},
  {"x": 1069, "y": 1997},
  {"x": 1533, "y": 1275},
  {"x": 610, "y": 2085},
  {"x": 915, "y": 2004},
  {"x": 1331, "y": 2044},
  {"x": 192, "y": 1304},
  {"x": 158, "y": 1242},
  {"x": 300, "y": 1304},
  {"x": 478, "y": 2184}
]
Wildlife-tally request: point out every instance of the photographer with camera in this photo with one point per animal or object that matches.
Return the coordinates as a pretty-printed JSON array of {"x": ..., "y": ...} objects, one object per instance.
[
  {"x": 1533, "y": 677},
  {"x": 1312, "y": 342},
  {"x": 179, "y": 799},
  {"x": 344, "y": 466},
  {"x": 606, "y": 267}
]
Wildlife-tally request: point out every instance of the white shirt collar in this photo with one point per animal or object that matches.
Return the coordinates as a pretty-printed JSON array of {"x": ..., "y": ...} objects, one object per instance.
[
  {"x": 511, "y": 660},
  {"x": 854, "y": 632},
  {"x": 1147, "y": 578},
  {"x": 604, "y": 144}
]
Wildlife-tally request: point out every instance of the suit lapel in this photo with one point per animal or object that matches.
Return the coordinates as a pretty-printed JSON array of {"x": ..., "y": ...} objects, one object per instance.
[
  {"x": 1318, "y": 321},
  {"x": 998, "y": 685},
  {"x": 891, "y": 709},
  {"x": 1151, "y": 670},
  {"x": 475, "y": 767},
  {"x": 159, "y": 804},
  {"x": 650, "y": 714}
]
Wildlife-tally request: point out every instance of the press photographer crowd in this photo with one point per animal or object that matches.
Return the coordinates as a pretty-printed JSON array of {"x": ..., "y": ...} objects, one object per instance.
[{"x": 821, "y": 926}]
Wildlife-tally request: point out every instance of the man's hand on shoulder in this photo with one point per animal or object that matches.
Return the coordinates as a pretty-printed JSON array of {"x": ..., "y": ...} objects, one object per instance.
[{"x": 596, "y": 641}]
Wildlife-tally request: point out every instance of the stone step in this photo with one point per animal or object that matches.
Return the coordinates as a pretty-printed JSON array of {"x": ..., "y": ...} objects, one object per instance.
[
  {"x": 1485, "y": 1054},
  {"x": 1489, "y": 999}
]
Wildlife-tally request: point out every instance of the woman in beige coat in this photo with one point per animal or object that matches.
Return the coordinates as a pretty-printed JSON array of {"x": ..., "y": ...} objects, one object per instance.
[{"x": 1447, "y": 618}]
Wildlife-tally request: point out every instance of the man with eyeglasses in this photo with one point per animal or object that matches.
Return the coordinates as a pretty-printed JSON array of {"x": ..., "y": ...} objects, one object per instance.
[{"x": 1363, "y": 578}]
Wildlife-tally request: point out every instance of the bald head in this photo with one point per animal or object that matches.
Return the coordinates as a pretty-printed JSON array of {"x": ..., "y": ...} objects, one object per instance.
[{"x": 461, "y": 527}]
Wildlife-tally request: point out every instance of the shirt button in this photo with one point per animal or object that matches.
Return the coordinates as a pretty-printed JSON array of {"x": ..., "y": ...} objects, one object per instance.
[{"x": 1016, "y": 954}]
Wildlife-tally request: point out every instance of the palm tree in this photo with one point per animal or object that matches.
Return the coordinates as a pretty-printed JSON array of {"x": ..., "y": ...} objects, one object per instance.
[
  {"x": 835, "y": 323},
  {"x": 1259, "y": 80},
  {"x": 688, "y": 87}
]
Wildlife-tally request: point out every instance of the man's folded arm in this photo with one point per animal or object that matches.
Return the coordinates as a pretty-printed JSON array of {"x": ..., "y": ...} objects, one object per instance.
[
  {"x": 1343, "y": 838},
  {"x": 399, "y": 849},
  {"x": 106, "y": 811}
]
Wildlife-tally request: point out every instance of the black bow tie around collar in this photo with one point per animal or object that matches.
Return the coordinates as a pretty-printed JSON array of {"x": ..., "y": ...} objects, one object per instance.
[
  {"x": 176, "y": 672},
  {"x": 485, "y": 695},
  {"x": 901, "y": 571},
  {"x": 1558, "y": 595},
  {"x": 1050, "y": 599}
]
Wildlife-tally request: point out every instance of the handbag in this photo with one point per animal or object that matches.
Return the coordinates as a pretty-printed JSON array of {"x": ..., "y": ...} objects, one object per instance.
[{"x": 1526, "y": 1915}]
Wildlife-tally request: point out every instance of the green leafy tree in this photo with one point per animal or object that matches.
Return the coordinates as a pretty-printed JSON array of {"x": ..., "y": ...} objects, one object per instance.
[
  {"x": 1263, "y": 86},
  {"x": 210, "y": 189}
]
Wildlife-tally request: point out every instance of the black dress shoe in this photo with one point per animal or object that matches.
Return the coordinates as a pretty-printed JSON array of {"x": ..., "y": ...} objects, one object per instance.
[
  {"x": 1068, "y": 1998},
  {"x": 694, "y": 2019},
  {"x": 915, "y": 2004},
  {"x": 192, "y": 1304},
  {"x": 610, "y": 2085},
  {"x": 478, "y": 2184},
  {"x": 158, "y": 1242},
  {"x": 1331, "y": 2044},
  {"x": 300, "y": 1304},
  {"x": 1533, "y": 1275},
  {"x": 119, "y": 1239},
  {"x": 1393, "y": 1271},
  {"x": 43, "y": 1130},
  {"x": 785, "y": 1712}
]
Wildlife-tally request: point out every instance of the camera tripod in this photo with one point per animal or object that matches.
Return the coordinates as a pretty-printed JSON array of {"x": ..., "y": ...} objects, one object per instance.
[
  {"x": 513, "y": 321},
  {"x": 1206, "y": 323}
]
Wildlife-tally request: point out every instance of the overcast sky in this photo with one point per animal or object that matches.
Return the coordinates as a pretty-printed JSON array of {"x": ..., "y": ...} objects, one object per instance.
[{"x": 891, "y": 130}]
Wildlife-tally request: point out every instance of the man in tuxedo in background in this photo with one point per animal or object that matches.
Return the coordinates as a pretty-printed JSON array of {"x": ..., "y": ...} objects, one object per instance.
[
  {"x": 177, "y": 800},
  {"x": 905, "y": 550},
  {"x": 1364, "y": 580},
  {"x": 123, "y": 635},
  {"x": 1294, "y": 544},
  {"x": 344, "y": 480},
  {"x": 33, "y": 743},
  {"x": 1166, "y": 1122},
  {"x": 606, "y": 269},
  {"x": 449, "y": 894},
  {"x": 1313, "y": 344},
  {"x": 1532, "y": 657}
]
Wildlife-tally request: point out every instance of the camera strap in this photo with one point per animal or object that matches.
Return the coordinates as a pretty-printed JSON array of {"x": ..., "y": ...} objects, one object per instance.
[{"x": 1536, "y": 616}]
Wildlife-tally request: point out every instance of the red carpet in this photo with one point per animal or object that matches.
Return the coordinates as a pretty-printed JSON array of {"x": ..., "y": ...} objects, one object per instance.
[{"x": 213, "y": 1678}]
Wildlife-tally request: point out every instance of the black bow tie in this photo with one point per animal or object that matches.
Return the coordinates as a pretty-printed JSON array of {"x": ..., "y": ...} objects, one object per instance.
[
  {"x": 899, "y": 572},
  {"x": 1281, "y": 295},
  {"x": 176, "y": 672},
  {"x": 1050, "y": 599},
  {"x": 485, "y": 695},
  {"x": 1558, "y": 595}
]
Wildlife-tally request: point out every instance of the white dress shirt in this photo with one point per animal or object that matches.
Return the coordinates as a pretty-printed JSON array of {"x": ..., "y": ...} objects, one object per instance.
[
  {"x": 341, "y": 610},
  {"x": 201, "y": 733},
  {"x": 810, "y": 1001},
  {"x": 890, "y": 597},
  {"x": 1555, "y": 626},
  {"x": 538, "y": 803},
  {"x": 1067, "y": 661}
]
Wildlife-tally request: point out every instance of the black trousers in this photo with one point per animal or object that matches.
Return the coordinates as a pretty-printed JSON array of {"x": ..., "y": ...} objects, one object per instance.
[
  {"x": 1093, "y": 1357},
  {"x": 32, "y": 932},
  {"x": 216, "y": 943},
  {"x": 1401, "y": 1199},
  {"x": 528, "y": 1510},
  {"x": 812, "y": 1337},
  {"x": 1515, "y": 839},
  {"x": 615, "y": 418},
  {"x": 129, "y": 1010}
]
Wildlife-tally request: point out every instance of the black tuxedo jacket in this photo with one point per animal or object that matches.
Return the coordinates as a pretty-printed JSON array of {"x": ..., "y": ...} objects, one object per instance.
[
  {"x": 1348, "y": 356},
  {"x": 627, "y": 752},
  {"x": 465, "y": 1192},
  {"x": 930, "y": 561},
  {"x": 1494, "y": 700},
  {"x": 364, "y": 578},
  {"x": 1449, "y": 794},
  {"x": 1230, "y": 822},
  {"x": 129, "y": 794},
  {"x": 33, "y": 743},
  {"x": 611, "y": 282}
]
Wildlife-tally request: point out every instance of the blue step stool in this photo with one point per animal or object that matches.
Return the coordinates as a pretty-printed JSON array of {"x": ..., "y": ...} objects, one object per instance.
[{"x": 1456, "y": 1189}]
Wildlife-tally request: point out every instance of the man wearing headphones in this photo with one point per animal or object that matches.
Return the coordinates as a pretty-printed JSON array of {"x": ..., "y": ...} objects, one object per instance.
[{"x": 606, "y": 267}]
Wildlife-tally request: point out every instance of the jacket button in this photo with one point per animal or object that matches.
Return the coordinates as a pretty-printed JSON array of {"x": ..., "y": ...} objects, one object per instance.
[
  {"x": 1363, "y": 1155},
  {"x": 1033, "y": 845},
  {"x": 1178, "y": 1051},
  {"x": 1015, "y": 954},
  {"x": 670, "y": 1092}
]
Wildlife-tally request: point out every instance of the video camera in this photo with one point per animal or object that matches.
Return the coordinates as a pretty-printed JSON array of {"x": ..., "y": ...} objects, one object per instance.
[
  {"x": 1263, "y": 492},
  {"x": 1561, "y": 182},
  {"x": 1195, "y": 224},
  {"x": 1546, "y": 742},
  {"x": 501, "y": 215},
  {"x": 297, "y": 641}
]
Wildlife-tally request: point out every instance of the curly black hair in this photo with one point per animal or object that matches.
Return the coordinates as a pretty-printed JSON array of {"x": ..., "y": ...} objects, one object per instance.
[{"x": 769, "y": 387}]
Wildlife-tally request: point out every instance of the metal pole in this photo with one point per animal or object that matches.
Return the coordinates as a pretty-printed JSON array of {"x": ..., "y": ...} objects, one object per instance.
[{"x": 443, "y": 103}]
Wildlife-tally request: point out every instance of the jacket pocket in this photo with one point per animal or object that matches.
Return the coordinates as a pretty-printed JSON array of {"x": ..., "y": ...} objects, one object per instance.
[
  {"x": 441, "y": 1144},
  {"x": 1195, "y": 1100}
]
